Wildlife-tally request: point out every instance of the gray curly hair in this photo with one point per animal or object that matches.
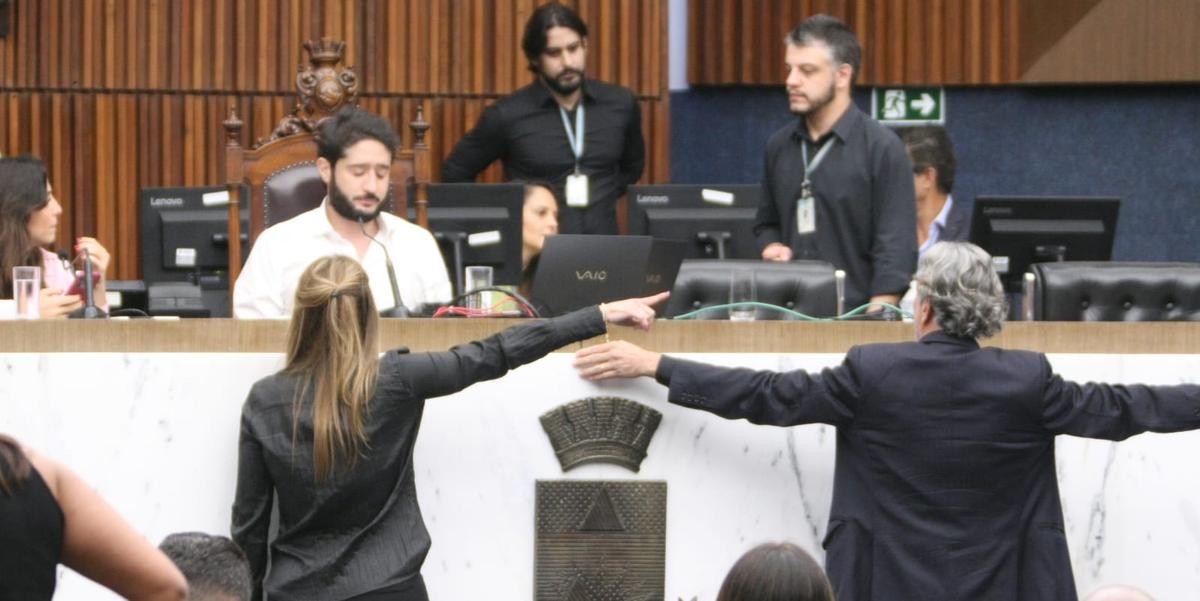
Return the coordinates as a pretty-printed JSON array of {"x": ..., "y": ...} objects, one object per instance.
[{"x": 956, "y": 279}]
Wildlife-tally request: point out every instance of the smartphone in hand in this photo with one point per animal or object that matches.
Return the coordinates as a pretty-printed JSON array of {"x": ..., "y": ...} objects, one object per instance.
[{"x": 77, "y": 286}]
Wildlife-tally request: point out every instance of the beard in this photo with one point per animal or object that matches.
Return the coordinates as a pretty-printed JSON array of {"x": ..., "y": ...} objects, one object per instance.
[
  {"x": 561, "y": 88},
  {"x": 817, "y": 103},
  {"x": 342, "y": 206}
]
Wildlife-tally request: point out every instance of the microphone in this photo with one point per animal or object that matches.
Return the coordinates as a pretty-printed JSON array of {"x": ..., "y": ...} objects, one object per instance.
[
  {"x": 90, "y": 310},
  {"x": 399, "y": 311}
]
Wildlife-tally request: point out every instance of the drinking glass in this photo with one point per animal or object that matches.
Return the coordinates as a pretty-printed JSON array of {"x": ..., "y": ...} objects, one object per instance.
[
  {"x": 476, "y": 277},
  {"x": 26, "y": 290},
  {"x": 742, "y": 289}
]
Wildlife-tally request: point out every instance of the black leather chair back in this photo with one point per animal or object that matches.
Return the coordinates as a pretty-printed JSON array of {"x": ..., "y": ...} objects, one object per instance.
[
  {"x": 1116, "y": 291},
  {"x": 805, "y": 286}
]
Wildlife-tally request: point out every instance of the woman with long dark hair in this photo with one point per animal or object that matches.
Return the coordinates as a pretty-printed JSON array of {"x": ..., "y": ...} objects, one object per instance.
[
  {"x": 29, "y": 215},
  {"x": 48, "y": 516},
  {"x": 330, "y": 437}
]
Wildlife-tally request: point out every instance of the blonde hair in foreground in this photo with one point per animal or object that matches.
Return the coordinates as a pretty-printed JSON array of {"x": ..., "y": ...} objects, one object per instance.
[{"x": 333, "y": 347}]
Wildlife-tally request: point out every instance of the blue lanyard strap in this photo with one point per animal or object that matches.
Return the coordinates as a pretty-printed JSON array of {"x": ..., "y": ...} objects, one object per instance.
[
  {"x": 574, "y": 137},
  {"x": 810, "y": 168}
]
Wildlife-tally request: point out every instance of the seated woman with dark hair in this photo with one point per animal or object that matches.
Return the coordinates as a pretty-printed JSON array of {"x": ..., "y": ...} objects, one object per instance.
[
  {"x": 538, "y": 220},
  {"x": 29, "y": 215},
  {"x": 48, "y": 515},
  {"x": 776, "y": 572},
  {"x": 331, "y": 436}
]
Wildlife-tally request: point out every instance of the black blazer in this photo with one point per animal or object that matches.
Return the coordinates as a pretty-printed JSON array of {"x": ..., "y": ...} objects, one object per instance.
[
  {"x": 958, "y": 223},
  {"x": 944, "y": 487}
]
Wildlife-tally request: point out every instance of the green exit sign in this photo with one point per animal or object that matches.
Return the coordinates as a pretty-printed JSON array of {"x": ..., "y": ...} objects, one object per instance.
[{"x": 909, "y": 106}]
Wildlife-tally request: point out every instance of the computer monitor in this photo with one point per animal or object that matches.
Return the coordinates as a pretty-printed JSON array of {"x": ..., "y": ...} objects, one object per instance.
[
  {"x": 576, "y": 270},
  {"x": 185, "y": 239},
  {"x": 715, "y": 220},
  {"x": 478, "y": 224},
  {"x": 1021, "y": 230},
  {"x": 185, "y": 236}
]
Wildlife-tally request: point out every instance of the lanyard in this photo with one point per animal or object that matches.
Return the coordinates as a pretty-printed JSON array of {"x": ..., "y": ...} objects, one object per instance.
[
  {"x": 816, "y": 162},
  {"x": 574, "y": 138}
]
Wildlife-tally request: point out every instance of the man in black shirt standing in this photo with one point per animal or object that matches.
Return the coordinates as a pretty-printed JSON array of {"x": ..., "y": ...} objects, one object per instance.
[
  {"x": 583, "y": 136},
  {"x": 837, "y": 185}
]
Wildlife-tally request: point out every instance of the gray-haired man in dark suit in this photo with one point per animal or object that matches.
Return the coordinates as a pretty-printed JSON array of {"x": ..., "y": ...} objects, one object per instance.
[{"x": 945, "y": 485}]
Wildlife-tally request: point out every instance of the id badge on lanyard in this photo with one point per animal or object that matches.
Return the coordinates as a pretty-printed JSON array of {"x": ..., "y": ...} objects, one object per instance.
[
  {"x": 577, "y": 182},
  {"x": 806, "y": 205}
]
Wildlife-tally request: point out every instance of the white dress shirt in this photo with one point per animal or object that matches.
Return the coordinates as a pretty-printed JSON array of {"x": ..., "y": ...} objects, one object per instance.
[
  {"x": 935, "y": 228},
  {"x": 266, "y": 287}
]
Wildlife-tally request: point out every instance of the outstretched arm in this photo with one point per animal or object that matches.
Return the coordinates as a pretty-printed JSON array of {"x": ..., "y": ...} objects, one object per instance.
[
  {"x": 762, "y": 397},
  {"x": 1116, "y": 412},
  {"x": 438, "y": 374},
  {"x": 99, "y": 544}
]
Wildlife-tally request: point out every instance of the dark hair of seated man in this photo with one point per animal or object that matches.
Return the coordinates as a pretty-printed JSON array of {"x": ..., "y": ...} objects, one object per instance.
[{"x": 215, "y": 567}]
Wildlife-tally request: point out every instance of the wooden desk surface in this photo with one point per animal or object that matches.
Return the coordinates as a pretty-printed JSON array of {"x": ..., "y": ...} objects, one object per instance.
[{"x": 241, "y": 336}]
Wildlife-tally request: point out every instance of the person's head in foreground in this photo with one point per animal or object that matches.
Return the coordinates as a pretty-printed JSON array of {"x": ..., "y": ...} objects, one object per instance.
[
  {"x": 1118, "y": 592},
  {"x": 776, "y": 572},
  {"x": 215, "y": 567}
]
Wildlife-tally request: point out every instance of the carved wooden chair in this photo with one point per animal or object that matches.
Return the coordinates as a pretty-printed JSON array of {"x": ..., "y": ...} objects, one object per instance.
[{"x": 279, "y": 172}]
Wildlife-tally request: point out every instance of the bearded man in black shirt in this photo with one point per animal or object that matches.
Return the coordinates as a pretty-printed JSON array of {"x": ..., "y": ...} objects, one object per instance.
[
  {"x": 837, "y": 185},
  {"x": 581, "y": 135}
]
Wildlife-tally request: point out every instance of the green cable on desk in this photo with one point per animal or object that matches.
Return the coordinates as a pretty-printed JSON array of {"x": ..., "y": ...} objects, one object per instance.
[{"x": 857, "y": 311}]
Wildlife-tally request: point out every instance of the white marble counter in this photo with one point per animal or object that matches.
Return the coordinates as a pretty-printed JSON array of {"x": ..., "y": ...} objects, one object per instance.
[{"x": 156, "y": 434}]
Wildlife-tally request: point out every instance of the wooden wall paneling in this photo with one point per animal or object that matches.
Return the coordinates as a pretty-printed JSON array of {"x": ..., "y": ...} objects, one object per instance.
[
  {"x": 727, "y": 40},
  {"x": 710, "y": 60},
  {"x": 374, "y": 41},
  {"x": 915, "y": 58},
  {"x": 7, "y": 53},
  {"x": 60, "y": 143},
  {"x": 24, "y": 17},
  {"x": 473, "y": 48},
  {"x": 505, "y": 43},
  {"x": 397, "y": 50},
  {"x": 629, "y": 25},
  {"x": 124, "y": 207},
  {"x": 696, "y": 42},
  {"x": 49, "y": 50},
  {"x": 933, "y": 45},
  {"x": 893, "y": 38},
  {"x": 118, "y": 95},
  {"x": 102, "y": 146},
  {"x": 1012, "y": 41},
  {"x": 155, "y": 24},
  {"x": 954, "y": 42}
]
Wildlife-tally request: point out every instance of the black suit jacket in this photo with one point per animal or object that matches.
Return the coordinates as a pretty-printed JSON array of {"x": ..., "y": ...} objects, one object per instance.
[
  {"x": 958, "y": 223},
  {"x": 945, "y": 485}
]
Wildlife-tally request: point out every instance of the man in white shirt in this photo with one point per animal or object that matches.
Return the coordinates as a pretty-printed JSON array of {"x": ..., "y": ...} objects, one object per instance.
[{"x": 355, "y": 150}]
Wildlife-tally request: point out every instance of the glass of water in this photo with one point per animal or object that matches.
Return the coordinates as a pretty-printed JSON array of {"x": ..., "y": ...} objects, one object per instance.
[
  {"x": 476, "y": 277},
  {"x": 742, "y": 289},
  {"x": 27, "y": 291}
]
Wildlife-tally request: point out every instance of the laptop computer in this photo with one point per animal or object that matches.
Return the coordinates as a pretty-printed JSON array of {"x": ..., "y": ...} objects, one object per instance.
[{"x": 576, "y": 271}]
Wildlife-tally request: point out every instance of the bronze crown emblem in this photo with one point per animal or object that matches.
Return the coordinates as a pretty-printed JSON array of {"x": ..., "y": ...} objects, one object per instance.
[{"x": 601, "y": 430}]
